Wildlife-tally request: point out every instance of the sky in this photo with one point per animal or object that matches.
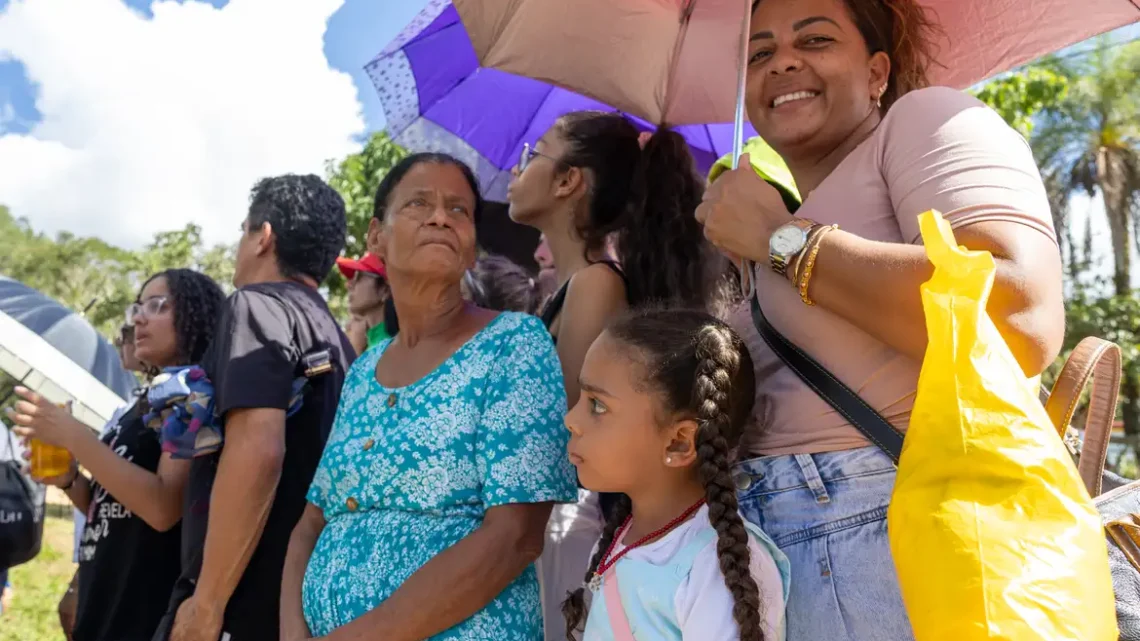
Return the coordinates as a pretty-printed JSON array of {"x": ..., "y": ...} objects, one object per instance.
[{"x": 119, "y": 118}]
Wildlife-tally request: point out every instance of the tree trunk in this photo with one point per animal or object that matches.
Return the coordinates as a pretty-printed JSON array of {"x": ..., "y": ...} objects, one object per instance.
[
  {"x": 1112, "y": 179},
  {"x": 1130, "y": 410}
]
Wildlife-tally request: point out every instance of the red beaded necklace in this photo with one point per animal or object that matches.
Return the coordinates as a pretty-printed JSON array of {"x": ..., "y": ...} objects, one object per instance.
[{"x": 606, "y": 563}]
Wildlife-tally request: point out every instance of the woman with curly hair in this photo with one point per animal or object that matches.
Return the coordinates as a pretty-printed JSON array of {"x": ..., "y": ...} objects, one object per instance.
[
  {"x": 129, "y": 555},
  {"x": 839, "y": 89},
  {"x": 665, "y": 397}
]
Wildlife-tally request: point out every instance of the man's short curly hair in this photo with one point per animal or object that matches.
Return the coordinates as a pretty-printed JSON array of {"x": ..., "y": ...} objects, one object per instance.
[{"x": 308, "y": 219}]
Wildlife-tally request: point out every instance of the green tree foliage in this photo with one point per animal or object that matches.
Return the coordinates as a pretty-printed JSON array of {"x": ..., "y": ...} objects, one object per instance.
[
  {"x": 1089, "y": 142},
  {"x": 1019, "y": 97},
  {"x": 356, "y": 178},
  {"x": 1081, "y": 114},
  {"x": 96, "y": 279}
]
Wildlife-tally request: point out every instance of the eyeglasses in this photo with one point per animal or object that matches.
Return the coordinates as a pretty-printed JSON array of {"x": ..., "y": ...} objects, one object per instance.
[
  {"x": 528, "y": 154},
  {"x": 151, "y": 307}
]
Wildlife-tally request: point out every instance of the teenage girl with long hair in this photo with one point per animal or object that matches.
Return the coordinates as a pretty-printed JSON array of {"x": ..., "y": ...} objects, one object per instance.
[
  {"x": 616, "y": 210},
  {"x": 665, "y": 397}
]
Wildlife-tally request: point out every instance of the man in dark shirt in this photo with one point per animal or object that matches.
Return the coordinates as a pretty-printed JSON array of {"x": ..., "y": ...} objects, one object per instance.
[{"x": 242, "y": 502}]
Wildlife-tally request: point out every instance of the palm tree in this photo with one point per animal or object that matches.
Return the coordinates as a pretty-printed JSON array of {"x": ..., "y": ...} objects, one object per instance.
[
  {"x": 1081, "y": 113},
  {"x": 1090, "y": 142}
]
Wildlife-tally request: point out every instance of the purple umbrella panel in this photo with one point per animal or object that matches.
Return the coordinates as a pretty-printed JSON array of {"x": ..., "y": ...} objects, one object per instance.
[{"x": 436, "y": 97}]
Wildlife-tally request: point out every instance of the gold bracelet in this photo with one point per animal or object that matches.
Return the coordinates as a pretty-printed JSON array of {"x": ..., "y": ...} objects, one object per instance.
[
  {"x": 796, "y": 272},
  {"x": 805, "y": 278}
]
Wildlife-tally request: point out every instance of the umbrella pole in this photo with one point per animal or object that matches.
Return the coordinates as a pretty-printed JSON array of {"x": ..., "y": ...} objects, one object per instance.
[
  {"x": 747, "y": 280},
  {"x": 741, "y": 79}
]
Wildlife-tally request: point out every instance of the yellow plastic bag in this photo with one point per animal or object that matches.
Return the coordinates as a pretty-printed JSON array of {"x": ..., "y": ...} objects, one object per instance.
[{"x": 992, "y": 531}]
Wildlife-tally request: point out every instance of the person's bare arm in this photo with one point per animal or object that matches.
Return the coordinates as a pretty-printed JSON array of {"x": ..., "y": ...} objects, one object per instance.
[
  {"x": 596, "y": 295},
  {"x": 301, "y": 544},
  {"x": 244, "y": 489},
  {"x": 156, "y": 497},
  {"x": 460, "y": 581},
  {"x": 876, "y": 287}
]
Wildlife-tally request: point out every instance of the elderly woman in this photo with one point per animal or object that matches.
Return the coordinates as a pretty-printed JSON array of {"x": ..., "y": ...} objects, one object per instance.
[
  {"x": 430, "y": 504},
  {"x": 838, "y": 88}
]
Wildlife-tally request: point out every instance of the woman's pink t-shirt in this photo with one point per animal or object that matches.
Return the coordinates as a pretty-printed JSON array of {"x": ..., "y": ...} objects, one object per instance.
[{"x": 936, "y": 148}]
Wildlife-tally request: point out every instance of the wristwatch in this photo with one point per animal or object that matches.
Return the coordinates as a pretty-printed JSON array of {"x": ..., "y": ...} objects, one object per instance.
[{"x": 787, "y": 242}]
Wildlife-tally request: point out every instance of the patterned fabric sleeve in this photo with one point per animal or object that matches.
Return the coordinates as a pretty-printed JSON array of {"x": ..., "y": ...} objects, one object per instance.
[
  {"x": 521, "y": 439},
  {"x": 354, "y": 389}
]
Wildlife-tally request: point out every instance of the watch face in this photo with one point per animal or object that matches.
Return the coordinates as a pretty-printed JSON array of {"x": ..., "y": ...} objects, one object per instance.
[{"x": 787, "y": 240}]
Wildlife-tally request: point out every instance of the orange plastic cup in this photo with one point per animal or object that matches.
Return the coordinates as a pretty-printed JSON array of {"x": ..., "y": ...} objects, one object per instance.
[{"x": 48, "y": 460}]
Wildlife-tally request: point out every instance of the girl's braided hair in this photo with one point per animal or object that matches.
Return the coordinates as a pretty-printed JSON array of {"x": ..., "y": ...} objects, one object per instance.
[{"x": 700, "y": 369}]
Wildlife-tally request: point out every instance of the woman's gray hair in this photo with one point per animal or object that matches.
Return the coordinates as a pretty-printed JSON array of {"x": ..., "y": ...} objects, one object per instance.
[{"x": 498, "y": 283}]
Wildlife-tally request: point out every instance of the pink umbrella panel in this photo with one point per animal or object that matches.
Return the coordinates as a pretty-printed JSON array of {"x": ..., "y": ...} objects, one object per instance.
[{"x": 676, "y": 61}]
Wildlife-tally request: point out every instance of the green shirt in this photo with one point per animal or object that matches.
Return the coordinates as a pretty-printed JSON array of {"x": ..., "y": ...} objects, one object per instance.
[{"x": 377, "y": 333}]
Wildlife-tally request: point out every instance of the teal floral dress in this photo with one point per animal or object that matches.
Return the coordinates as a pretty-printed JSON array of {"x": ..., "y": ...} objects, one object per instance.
[{"x": 409, "y": 472}]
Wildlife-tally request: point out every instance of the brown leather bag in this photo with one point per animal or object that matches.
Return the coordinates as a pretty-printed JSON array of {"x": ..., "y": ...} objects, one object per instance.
[{"x": 1098, "y": 362}]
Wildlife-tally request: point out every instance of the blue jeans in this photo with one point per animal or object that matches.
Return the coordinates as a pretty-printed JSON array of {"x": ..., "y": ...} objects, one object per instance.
[{"x": 828, "y": 513}]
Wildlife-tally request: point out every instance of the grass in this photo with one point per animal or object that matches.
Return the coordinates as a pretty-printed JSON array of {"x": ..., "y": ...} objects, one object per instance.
[{"x": 38, "y": 585}]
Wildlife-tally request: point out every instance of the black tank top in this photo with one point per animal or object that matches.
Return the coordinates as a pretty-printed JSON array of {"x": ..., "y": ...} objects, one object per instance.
[
  {"x": 553, "y": 306},
  {"x": 607, "y": 501}
]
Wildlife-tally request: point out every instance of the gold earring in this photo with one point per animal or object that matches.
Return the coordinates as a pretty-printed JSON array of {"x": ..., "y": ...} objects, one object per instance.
[{"x": 879, "y": 98}]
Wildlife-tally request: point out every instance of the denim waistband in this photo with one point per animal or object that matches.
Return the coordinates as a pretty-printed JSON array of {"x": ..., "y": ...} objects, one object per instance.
[{"x": 770, "y": 474}]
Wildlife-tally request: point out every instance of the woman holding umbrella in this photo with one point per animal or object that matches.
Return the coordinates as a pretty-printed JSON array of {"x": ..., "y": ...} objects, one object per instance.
[{"x": 838, "y": 88}]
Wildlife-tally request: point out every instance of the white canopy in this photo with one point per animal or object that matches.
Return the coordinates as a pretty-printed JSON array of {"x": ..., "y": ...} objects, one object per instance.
[{"x": 39, "y": 366}]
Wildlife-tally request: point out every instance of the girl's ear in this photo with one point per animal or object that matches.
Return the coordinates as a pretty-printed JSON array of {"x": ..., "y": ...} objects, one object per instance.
[
  {"x": 569, "y": 182},
  {"x": 681, "y": 448}
]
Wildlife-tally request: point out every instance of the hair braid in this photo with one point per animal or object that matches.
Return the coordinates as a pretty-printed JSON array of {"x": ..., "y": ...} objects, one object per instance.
[
  {"x": 574, "y": 607},
  {"x": 717, "y": 363}
]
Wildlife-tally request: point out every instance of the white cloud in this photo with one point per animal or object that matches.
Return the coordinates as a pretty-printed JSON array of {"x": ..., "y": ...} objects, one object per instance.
[{"x": 152, "y": 123}]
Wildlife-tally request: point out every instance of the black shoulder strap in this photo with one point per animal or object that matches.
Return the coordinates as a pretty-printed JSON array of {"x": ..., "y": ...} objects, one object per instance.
[
  {"x": 554, "y": 305},
  {"x": 630, "y": 295},
  {"x": 839, "y": 396}
]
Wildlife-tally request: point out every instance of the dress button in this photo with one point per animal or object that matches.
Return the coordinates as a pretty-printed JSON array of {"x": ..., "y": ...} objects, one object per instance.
[
  {"x": 391, "y": 400},
  {"x": 743, "y": 480},
  {"x": 368, "y": 444},
  {"x": 352, "y": 504}
]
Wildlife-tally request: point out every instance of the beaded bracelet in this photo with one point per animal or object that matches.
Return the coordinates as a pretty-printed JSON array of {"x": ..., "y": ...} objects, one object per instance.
[
  {"x": 795, "y": 271},
  {"x": 804, "y": 279}
]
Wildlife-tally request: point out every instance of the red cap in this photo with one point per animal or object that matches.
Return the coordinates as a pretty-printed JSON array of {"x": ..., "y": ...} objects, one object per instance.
[{"x": 366, "y": 263}]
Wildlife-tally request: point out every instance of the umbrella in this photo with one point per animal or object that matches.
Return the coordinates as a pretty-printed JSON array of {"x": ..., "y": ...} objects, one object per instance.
[
  {"x": 436, "y": 97},
  {"x": 52, "y": 350},
  {"x": 675, "y": 60}
]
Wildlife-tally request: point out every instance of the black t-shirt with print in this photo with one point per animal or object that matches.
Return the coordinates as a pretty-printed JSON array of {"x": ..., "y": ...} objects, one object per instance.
[
  {"x": 126, "y": 568},
  {"x": 270, "y": 334}
]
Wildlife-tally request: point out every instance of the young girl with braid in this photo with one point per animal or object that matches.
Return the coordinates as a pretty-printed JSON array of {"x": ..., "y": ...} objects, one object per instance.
[{"x": 664, "y": 398}]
